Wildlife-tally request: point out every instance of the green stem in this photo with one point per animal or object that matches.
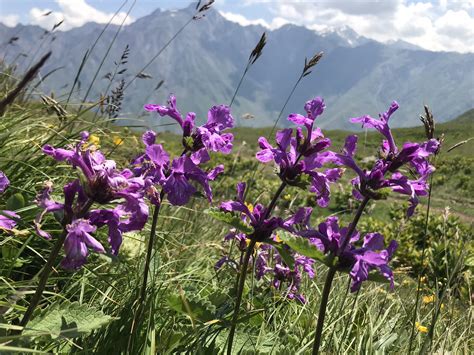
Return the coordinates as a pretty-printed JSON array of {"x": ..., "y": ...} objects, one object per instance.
[
  {"x": 322, "y": 309},
  {"x": 423, "y": 252},
  {"x": 151, "y": 242},
  {"x": 330, "y": 278},
  {"x": 243, "y": 274},
  {"x": 43, "y": 279},
  {"x": 49, "y": 266}
]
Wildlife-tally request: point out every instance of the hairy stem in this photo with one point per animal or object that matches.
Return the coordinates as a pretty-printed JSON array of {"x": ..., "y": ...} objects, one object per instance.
[
  {"x": 330, "y": 278},
  {"x": 238, "y": 300}
]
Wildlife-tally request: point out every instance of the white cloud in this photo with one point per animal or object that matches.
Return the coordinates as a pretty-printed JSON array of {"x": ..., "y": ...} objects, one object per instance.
[
  {"x": 9, "y": 20},
  {"x": 438, "y": 26},
  {"x": 277, "y": 22},
  {"x": 75, "y": 13}
]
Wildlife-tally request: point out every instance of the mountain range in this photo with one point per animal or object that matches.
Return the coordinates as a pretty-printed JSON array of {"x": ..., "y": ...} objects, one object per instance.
[{"x": 203, "y": 66}]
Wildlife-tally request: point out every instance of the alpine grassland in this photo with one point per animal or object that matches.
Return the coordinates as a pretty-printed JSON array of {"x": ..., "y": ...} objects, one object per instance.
[{"x": 204, "y": 236}]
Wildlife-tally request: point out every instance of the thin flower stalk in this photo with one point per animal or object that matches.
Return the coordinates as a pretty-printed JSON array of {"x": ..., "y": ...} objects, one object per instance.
[
  {"x": 48, "y": 267},
  {"x": 241, "y": 276},
  {"x": 330, "y": 277},
  {"x": 256, "y": 53}
]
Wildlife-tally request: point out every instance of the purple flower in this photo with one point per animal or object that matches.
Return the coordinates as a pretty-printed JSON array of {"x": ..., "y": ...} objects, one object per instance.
[
  {"x": 270, "y": 266},
  {"x": 381, "y": 125},
  {"x": 8, "y": 223},
  {"x": 104, "y": 182},
  {"x": 5, "y": 222},
  {"x": 44, "y": 201},
  {"x": 4, "y": 182},
  {"x": 175, "y": 176},
  {"x": 101, "y": 183},
  {"x": 313, "y": 108},
  {"x": 386, "y": 173},
  {"x": 302, "y": 154},
  {"x": 257, "y": 216},
  {"x": 210, "y": 136},
  {"x": 329, "y": 238},
  {"x": 77, "y": 242},
  {"x": 177, "y": 185}
]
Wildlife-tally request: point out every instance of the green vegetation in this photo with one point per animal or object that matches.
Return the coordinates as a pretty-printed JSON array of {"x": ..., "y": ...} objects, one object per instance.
[{"x": 189, "y": 303}]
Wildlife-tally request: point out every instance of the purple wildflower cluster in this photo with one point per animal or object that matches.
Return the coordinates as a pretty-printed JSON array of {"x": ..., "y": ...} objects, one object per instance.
[
  {"x": 300, "y": 155},
  {"x": 102, "y": 183},
  {"x": 303, "y": 153},
  {"x": 175, "y": 176},
  {"x": 121, "y": 193},
  {"x": 6, "y": 223},
  {"x": 266, "y": 257},
  {"x": 329, "y": 238},
  {"x": 391, "y": 160}
]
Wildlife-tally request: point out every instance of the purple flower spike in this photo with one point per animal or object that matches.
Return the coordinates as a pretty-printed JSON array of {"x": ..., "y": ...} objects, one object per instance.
[
  {"x": 77, "y": 242},
  {"x": 380, "y": 125},
  {"x": 209, "y": 136},
  {"x": 100, "y": 183},
  {"x": 372, "y": 255},
  {"x": 392, "y": 160},
  {"x": 300, "y": 155},
  {"x": 256, "y": 216}
]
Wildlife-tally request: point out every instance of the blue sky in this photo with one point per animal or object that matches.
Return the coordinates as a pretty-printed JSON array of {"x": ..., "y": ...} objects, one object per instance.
[{"x": 441, "y": 25}]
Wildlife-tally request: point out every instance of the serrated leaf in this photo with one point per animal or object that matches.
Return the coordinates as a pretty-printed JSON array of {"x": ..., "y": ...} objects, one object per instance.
[
  {"x": 231, "y": 220},
  {"x": 304, "y": 247},
  {"x": 197, "y": 308},
  {"x": 68, "y": 320},
  {"x": 15, "y": 202}
]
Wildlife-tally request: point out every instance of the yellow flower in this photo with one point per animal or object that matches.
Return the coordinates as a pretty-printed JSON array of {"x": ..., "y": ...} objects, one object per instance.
[
  {"x": 257, "y": 245},
  {"x": 277, "y": 238},
  {"x": 249, "y": 206},
  {"x": 117, "y": 140},
  {"x": 428, "y": 299},
  {"x": 421, "y": 328},
  {"x": 287, "y": 197},
  {"x": 423, "y": 279},
  {"x": 94, "y": 140}
]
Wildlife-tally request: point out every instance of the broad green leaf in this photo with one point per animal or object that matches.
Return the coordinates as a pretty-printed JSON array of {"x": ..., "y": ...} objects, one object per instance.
[
  {"x": 68, "y": 320},
  {"x": 230, "y": 219},
  {"x": 304, "y": 247},
  {"x": 15, "y": 202}
]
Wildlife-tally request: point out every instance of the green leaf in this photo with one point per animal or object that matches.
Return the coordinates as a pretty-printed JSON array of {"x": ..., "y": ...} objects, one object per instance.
[
  {"x": 285, "y": 254},
  {"x": 15, "y": 202},
  {"x": 377, "y": 277},
  {"x": 196, "y": 307},
  {"x": 67, "y": 320},
  {"x": 304, "y": 247},
  {"x": 230, "y": 219},
  {"x": 374, "y": 275}
]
